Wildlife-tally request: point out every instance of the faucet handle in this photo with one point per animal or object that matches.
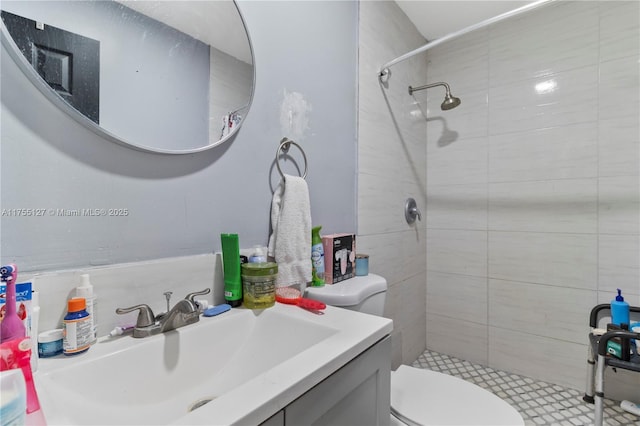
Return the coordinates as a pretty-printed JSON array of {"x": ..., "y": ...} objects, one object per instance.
[
  {"x": 145, "y": 316},
  {"x": 167, "y": 296},
  {"x": 411, "y": 211},
  {"x": 190, "y": 296}
]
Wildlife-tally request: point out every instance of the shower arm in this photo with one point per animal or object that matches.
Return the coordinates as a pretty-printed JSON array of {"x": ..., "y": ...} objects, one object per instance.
[
  {"x": 385, "y": 73},
  {"x": 428, "y": 86}
]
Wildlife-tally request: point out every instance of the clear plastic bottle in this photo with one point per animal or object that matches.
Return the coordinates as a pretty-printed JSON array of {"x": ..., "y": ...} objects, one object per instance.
[
  {"x": 259, "y": 255},
  {"x": 85, "y": 290}
]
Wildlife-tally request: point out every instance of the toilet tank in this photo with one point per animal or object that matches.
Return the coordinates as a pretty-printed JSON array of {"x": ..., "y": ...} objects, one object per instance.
[{"x": 364, "y": 294}]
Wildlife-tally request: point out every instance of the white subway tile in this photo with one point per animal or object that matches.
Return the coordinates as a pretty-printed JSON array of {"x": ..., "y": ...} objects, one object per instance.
[
  {"x": 619, "y": 88},
  {"x": 414, "y": 338},
  {"x": 385, "y": 153},
  {"x": 381, "y": 201},
  {"x": 619, "y": 205},
  {"x": 550, "y": 311},
  {"x": 619, "y": 263},
  {"x": 397, "y": 256},
  {"x": 459, "y": 338},
  {"x": 463, "y": 161},
  {"x": 457, "y": 252},
  {"x": 544, "y": 154},
  {"x": 568, "y": 260},
  {"x": 409, "y": 298},
  {"x": 445, "y": 128},
  {"x": 461, "y": 62},
  {"x": 556, "y": 99},
  {"x": 405, "y": 305},
  {"x": 401, "y": 37},
  {"x": 619, "y": 146},
  {"x": 568, "y": 205},
  {"x": 555, "y": 38},
  {"x": 457, "y": 206},
  {"x": 552, "y": 360},
  {"x": 457, "y": 296},
  {"x": 619, "y": 29}
]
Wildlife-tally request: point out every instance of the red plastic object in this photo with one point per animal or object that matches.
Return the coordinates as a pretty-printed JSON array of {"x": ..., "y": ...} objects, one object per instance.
[
  {"x": 292, "y": 296},
  {"x": 16, "y": 353}
]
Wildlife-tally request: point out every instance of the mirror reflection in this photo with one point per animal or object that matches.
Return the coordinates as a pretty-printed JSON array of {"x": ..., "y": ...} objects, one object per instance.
[{"x": 163, "y": 76}]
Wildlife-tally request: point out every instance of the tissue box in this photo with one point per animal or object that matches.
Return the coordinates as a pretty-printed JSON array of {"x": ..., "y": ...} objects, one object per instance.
[{"x": 339, "y": 257}]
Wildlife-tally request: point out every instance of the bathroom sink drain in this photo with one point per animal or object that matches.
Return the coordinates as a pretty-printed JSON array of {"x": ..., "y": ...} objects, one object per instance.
[{"x": 199, "y": 403}]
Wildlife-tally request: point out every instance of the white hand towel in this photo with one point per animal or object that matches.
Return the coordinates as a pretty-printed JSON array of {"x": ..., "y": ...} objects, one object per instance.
[{"x": 290, "y": 241}]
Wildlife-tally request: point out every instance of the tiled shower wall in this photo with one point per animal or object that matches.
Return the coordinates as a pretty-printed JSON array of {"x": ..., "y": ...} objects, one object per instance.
[
  {"x": 392, "y": 167},
  {"x": 533, "y": 187}
]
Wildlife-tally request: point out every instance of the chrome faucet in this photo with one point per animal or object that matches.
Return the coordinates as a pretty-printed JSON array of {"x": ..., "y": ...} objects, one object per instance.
[{"x": 183, "y": 313}]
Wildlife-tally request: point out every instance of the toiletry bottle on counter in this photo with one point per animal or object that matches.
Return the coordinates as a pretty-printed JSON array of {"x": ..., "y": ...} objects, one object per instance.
[
  {"x": 231, "y": 268},
  {"x": 11, "y": 326},
  {"x": 259, "y": 255},
  {"x": 259, "y": 284},
  {"x": 85, "y": 290},
  {"x": 619, "y": 310},
  {"x": 317, "y": 257},
  {"x": 33, "y": 329},
  {"x": 76, "y": 327}
]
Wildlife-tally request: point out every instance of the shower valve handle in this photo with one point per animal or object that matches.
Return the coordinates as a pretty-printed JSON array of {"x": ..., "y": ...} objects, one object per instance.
[
  {"x": 415, "y": 212},
  {"x": 411, "y": 211}
]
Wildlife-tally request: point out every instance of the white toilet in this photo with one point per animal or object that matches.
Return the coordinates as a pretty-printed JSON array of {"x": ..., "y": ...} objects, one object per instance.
[{"x": 418, "y": 396}]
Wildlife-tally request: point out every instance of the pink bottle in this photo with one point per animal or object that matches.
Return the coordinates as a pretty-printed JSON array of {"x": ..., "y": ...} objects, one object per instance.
[
  {"x": 11, "y": 326},
  {"x": 13, "y": 332}
]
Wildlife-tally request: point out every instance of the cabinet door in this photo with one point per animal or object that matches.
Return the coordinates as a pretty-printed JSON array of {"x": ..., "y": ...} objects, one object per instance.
[
  {"x": 357, "y": 394},
  {"x": 276, "y": 420}
]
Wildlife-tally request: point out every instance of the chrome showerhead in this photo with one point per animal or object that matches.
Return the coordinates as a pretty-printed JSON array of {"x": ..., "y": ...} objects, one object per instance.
[{"x": 450, "y": 101}]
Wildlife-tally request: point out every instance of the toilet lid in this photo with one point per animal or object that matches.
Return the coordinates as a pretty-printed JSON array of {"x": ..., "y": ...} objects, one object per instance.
[
  {"x": 348, "y": 292},
  {"x": 426, "y": 397}
]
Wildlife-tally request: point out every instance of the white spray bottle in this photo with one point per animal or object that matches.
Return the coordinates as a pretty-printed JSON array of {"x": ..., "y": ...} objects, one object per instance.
[{"x": 85, "y": 290}]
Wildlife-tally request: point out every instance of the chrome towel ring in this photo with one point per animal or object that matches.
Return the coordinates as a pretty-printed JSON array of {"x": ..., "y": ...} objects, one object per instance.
[{"x": 283, "y": 148}]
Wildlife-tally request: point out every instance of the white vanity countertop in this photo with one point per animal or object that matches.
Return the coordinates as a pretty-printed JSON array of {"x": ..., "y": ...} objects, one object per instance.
[
  {"x": 256, "y": 401},
  {"x": 280, "y": 337}
]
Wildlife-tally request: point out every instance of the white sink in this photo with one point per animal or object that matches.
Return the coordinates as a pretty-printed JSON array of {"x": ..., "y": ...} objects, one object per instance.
[{"x": 248, "y": 364}]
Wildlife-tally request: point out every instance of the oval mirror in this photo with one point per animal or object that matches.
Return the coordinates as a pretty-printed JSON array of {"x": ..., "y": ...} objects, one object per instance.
[{"x": 172, "y": 77}]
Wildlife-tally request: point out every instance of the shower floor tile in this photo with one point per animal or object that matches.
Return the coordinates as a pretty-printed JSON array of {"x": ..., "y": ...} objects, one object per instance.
[{"x": 538, "y": 402}]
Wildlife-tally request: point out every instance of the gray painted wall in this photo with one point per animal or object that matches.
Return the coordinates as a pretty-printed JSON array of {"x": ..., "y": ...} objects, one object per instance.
[
  {"x": 178, "y": 205},
  {"x": 161, "y": 72}
]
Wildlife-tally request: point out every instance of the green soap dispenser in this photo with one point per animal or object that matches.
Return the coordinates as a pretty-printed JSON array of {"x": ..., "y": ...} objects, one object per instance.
[{"x": 317, "y": 258}]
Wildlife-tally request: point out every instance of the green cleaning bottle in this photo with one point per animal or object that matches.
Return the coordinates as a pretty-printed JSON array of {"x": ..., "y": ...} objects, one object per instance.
[
  {"x": 231, "y": 268},
  {"x": 317, "y": 258}
]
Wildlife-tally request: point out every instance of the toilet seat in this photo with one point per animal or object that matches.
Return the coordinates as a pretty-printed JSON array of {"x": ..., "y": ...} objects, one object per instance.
[{"x": 425, "y": 397}]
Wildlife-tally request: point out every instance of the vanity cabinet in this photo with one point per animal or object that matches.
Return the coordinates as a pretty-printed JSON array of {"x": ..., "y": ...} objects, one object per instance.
[{"x": 356, "y": 394}]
